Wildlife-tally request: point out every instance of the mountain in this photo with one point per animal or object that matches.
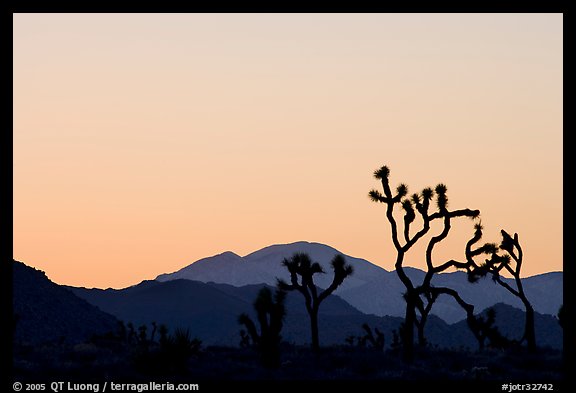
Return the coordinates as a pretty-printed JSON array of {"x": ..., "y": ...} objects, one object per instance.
[
  {"x": 210, "y": 311},
  {"x": 371, "y": 289},
  {"x": 265, "y": 265},
  {"x": 47, "y": 312}
]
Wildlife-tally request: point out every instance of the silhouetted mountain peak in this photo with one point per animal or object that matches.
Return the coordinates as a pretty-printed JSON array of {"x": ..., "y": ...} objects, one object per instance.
[
  {"x": 311, "y": 248},
  {"x": 265, "y": 266}
]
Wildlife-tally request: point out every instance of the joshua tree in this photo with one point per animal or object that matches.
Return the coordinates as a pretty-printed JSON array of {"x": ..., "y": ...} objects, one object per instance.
[
  {"x": 142, "y": 335},
  {"x": 510, "y": 262},
  {"x": 300, "y": 265},
  {"x": 350, "y": 340},
  {"x": 244, "y": 339},
  {"x": 131, "y": 332},
  {"x": 153, "y": 334},
  {"x": 418, "y": 205},
  {"x": 270, "y": 315},
  {"x": 396, "y": 343},
  {"x": 163, "y": 332},
  {"x": 487, "y": 330},
  {"x": 377, "y": 341}
]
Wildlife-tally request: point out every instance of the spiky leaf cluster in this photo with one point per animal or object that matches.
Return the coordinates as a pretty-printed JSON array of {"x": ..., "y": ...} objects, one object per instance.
[
  {"x": 441, "y": 197},
  {"x": 382, "y": 173}
]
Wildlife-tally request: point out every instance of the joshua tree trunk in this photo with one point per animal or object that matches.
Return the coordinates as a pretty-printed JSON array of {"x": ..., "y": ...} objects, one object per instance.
[
  {"x": 529, "y": 333},
  {"x": 512, "y": 246},
  {"x": 424, "y": 312},
  {"x": 407, "y": 332},
  {"x": 421, "y": 337},
  {"x": 314, "y": 329}
]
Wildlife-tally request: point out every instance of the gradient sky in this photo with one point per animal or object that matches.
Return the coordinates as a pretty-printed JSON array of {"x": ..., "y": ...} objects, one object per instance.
[{"x": 143, "y": 142}]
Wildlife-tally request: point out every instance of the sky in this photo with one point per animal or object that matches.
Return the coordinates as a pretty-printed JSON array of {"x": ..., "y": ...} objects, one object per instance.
[{"x": 144, "y": 142}]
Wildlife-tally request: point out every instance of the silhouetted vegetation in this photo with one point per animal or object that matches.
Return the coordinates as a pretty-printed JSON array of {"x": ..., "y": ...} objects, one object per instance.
[
  {"x": 169, "y": 355},
  {"x": 270, "y": 316},
  {"x": 302, "y": 270},
  {"x": 487, "y": 330},
  {"x": 420, "y": 298},
  {"x": 510, "y": 262},
  {"x": 99, "y": 360},
  {"x": 375, "y": 339},
  {"x": 396, "y": 344},
  {"x": 178, "y": 348}
]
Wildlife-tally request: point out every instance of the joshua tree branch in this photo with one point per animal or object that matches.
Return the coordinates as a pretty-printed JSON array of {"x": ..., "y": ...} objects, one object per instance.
[
  {"x": 451, "y": 292},
  {"x": 435, "y": 240},
  {"x": 456, "y": 213},
  {"x": 245, "y": 320},
  {"x": 499, "y": 280},
  {"x": 448, "y": 264}
]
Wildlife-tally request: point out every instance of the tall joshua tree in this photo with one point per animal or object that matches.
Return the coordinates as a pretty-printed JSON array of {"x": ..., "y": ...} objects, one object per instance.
[
  {"x": 420, "y": 298},
  {"x": 510, "y": 262},
  {"x": 302, "y": 270},
  {"x": 270, "y": 316}
]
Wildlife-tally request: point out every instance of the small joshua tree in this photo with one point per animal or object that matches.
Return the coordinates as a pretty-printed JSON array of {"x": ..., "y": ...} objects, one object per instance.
[
  {"x": 487, "y": 330},
  {"x": 163, "y": 332},
  {"x": 244, "y": 339},
  {"x": 396, "y": 343},
  {"x": 350, "y": 339},
  {"x": 270, "y": 313},
  {"x": 154, "y": 329},
  {"x": 142, "y": 335},
  {"x": 376, "y": 338},
  {"x": 131, "y": 333},
  {"x": 302, "y": 270}
]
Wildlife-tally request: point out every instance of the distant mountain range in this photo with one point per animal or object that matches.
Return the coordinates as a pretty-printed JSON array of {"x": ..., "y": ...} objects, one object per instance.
[
  {"x": 48, "y": 312},
  {"x": 371, "y": 289}
]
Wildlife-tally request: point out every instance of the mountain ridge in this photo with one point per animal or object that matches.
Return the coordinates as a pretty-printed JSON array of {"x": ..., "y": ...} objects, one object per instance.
[{"x": 371, "y": 289}]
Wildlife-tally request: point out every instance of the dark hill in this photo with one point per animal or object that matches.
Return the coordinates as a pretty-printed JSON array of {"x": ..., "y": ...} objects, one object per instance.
[
  {"x": 47, "y": 312},
  {"x": 205, "y": 310}
]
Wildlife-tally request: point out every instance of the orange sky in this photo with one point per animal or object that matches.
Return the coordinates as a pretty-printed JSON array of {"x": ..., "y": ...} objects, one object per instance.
[{"x": 143, "y": 142}]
